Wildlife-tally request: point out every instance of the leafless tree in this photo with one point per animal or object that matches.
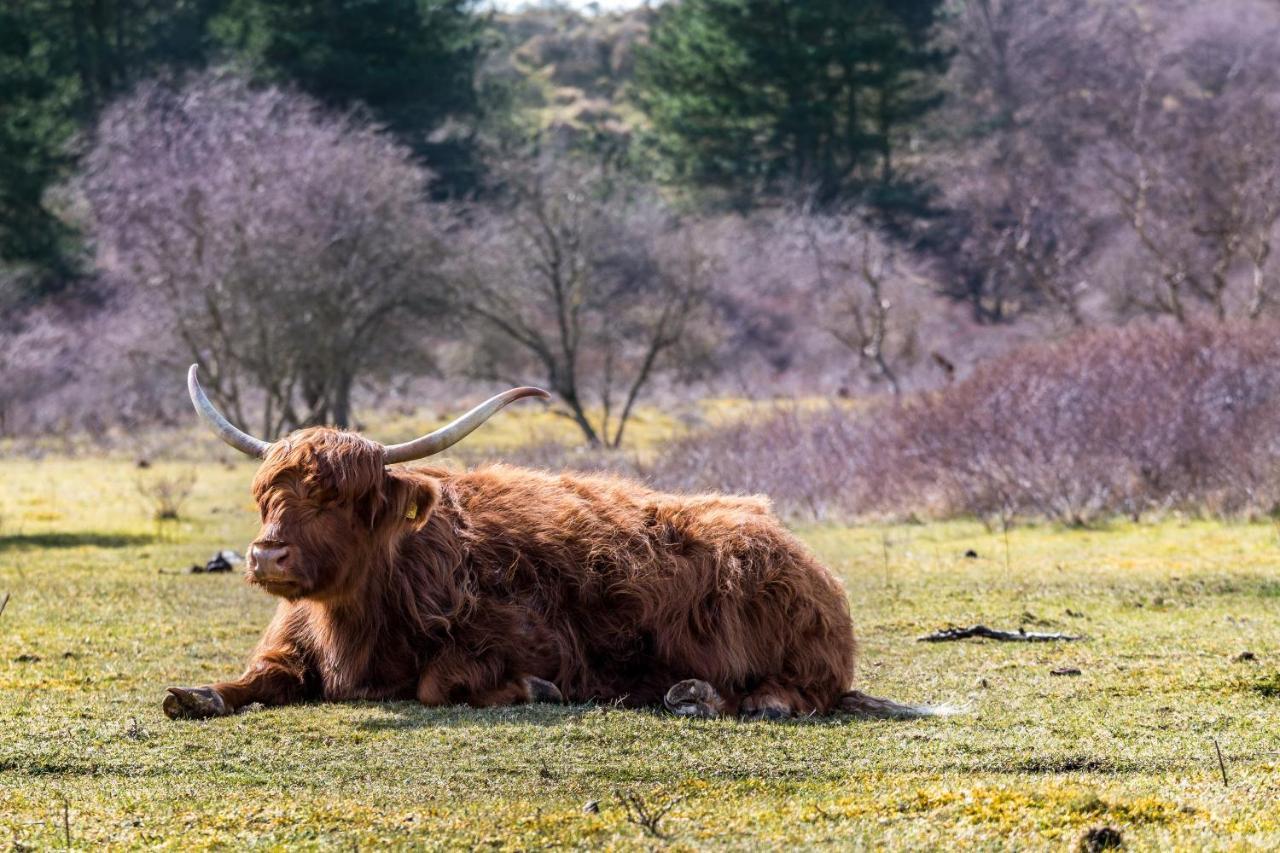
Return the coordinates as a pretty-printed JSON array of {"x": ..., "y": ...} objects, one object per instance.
[
  {"x": 1021, "y": 231},
  {"x": 289, "y": 251},
  {"x": 862, "y": 290},
  {"x": 1194, "y": 165},
  {"x": 589, "y": 277}
]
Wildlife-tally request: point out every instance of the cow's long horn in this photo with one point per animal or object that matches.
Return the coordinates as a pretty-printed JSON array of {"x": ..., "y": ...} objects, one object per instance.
[
  {"x": 451, "y": 434},
  {"x": 241, "y": 441}
]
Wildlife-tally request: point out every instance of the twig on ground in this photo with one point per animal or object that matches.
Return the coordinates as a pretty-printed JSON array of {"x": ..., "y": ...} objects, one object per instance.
[
  {"x": 4, "y": 602},
  {"x": 645, "y": 816},
  {"x": 1019, "y": 636},
  {"x": 1222, "y": 765}
]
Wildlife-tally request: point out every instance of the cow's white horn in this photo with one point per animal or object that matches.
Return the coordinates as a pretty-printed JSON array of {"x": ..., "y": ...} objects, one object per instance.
[
  {"x": 452, "y": 433},
  {"x": 242, "y": 441}
]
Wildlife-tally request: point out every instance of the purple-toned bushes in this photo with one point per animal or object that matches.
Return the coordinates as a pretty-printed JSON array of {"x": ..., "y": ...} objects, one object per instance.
[{"x": 1140, "y": 419}]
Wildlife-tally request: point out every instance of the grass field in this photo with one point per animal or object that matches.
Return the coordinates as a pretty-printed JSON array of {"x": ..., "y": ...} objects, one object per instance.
[{"x": 97, "y": 628}]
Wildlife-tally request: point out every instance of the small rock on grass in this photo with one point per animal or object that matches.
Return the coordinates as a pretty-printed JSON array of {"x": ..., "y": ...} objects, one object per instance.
[
  {"x": 1245, "y": 656},
  {"x": 1066, "y": 670},
  {"x": 222, "y": 561}
]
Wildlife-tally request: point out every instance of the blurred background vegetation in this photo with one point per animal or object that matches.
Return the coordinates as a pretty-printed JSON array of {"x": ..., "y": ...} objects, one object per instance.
[{"x": 920, "y": 250}]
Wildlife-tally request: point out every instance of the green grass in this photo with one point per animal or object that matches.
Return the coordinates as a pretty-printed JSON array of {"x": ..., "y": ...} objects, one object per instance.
[{"x": 96, "y": 629}]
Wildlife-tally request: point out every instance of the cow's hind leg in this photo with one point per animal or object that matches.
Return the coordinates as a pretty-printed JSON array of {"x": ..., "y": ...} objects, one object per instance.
[
  {"x": 515, "y": 693},
  {"x": 528, "y": 689},
  {"x": 541, "y": 690},
  {"x": 433, "y": 692},
  {"x": 694, "y": 698},
  {"x": 772, "y": 701}
]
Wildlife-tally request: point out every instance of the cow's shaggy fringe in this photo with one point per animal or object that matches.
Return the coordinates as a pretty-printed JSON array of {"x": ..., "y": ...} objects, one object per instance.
[{"x": 1136, "y": 420}]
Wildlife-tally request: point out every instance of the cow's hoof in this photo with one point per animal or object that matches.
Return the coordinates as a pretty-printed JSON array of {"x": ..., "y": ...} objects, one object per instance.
[
  {"x": 694, "y": 698},
  {"x": 541, "y": 690},
  {"x": 768, "y": 712},
  {"x": 765, "y": 705},
  {"x": 194, "y": 703}
]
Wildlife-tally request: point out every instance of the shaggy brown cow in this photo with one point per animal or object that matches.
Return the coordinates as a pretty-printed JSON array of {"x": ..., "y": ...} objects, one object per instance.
[{"x": 503, "y": 585}]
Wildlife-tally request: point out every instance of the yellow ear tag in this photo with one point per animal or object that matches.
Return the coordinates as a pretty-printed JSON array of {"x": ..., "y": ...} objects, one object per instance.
[{"x": 412, "y": 512}]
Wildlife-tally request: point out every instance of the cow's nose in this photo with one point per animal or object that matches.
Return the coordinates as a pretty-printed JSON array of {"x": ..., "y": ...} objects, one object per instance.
[{"x": 269, "y": 559}]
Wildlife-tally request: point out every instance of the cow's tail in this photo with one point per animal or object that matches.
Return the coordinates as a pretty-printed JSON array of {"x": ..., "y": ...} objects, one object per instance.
[{"x": 861, "y": 705}]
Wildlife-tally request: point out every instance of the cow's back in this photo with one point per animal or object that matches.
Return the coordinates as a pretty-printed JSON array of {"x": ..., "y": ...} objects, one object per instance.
[
  {"x": 644, "y": 588},
  {"x": 585, "y": 528}
]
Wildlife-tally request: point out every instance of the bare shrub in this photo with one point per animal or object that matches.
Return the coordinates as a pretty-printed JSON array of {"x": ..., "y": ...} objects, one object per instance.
[
  {"x": 644, "y": 814},
  {"x": 815, "y": 465},
  {"x": 586, "y": 277},
  {"x": 80, "y": 365},
  {"x": 802, "y": 293},
  {"x": 1130, "y": 420},
  {"x": 166, "y": 494},
  {"x": 1204, "y": 211},
  {"x": 290, "y": 251},
  {"x": 1142, "y": 419}
]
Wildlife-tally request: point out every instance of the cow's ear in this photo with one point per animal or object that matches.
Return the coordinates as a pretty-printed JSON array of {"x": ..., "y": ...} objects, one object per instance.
[{"x": 410, "y": 498}]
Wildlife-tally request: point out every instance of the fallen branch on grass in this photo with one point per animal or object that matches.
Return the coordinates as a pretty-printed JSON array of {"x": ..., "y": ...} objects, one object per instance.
[{"x": 947, "y": 635}]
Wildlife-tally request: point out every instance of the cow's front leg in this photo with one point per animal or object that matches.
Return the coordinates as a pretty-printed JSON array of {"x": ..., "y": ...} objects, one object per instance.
[
  {"x": 277, "y": 675},
  {"x": 265, "y": 682},
  {"x": 194, "y": 703}
]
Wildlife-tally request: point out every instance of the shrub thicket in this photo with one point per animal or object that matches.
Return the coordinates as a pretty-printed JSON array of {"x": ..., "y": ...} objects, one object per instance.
[{"x": 1133, "y": 420}]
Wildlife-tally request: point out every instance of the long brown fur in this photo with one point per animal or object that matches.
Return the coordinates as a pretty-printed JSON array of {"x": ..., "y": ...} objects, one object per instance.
[{"x": 458, "y": 587}]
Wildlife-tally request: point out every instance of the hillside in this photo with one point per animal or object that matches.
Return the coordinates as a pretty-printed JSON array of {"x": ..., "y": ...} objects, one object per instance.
[{"x": 573, "y": 69}]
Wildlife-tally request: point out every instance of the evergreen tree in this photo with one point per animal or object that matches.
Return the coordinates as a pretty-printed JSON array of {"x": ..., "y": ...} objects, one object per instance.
[
  {"x": 36, "y": 96},
  {"x": 763, "y": 96},
  {"x": 59, "y": 62},
  {"x": 413, "y": 63}
]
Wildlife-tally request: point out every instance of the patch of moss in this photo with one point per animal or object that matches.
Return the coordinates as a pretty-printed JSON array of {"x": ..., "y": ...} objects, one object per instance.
[{"x": 1267, "y": 685}]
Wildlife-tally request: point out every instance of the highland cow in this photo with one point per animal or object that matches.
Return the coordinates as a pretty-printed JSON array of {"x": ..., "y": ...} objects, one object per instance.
[{"x": 502, "y": 585}]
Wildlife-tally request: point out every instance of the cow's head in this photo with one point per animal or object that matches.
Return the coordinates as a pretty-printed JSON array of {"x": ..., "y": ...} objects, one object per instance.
[{"x": 329, "y": 498}]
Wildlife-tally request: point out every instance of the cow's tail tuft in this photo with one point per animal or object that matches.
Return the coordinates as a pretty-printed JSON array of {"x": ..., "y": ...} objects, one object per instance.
[{"x": 861, "y": 705}]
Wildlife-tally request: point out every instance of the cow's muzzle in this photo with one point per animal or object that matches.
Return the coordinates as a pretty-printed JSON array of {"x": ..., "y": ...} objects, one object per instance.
[{"x": 269, "y": 562}]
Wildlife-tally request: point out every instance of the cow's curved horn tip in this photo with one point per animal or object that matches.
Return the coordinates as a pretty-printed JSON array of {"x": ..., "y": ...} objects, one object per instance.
[{"x": 530, "y": 391}]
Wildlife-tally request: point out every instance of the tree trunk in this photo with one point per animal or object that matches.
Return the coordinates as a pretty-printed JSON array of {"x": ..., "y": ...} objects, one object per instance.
[
  {"x": 580, "y": 417},
  {"x": 342, "y": 401}
]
